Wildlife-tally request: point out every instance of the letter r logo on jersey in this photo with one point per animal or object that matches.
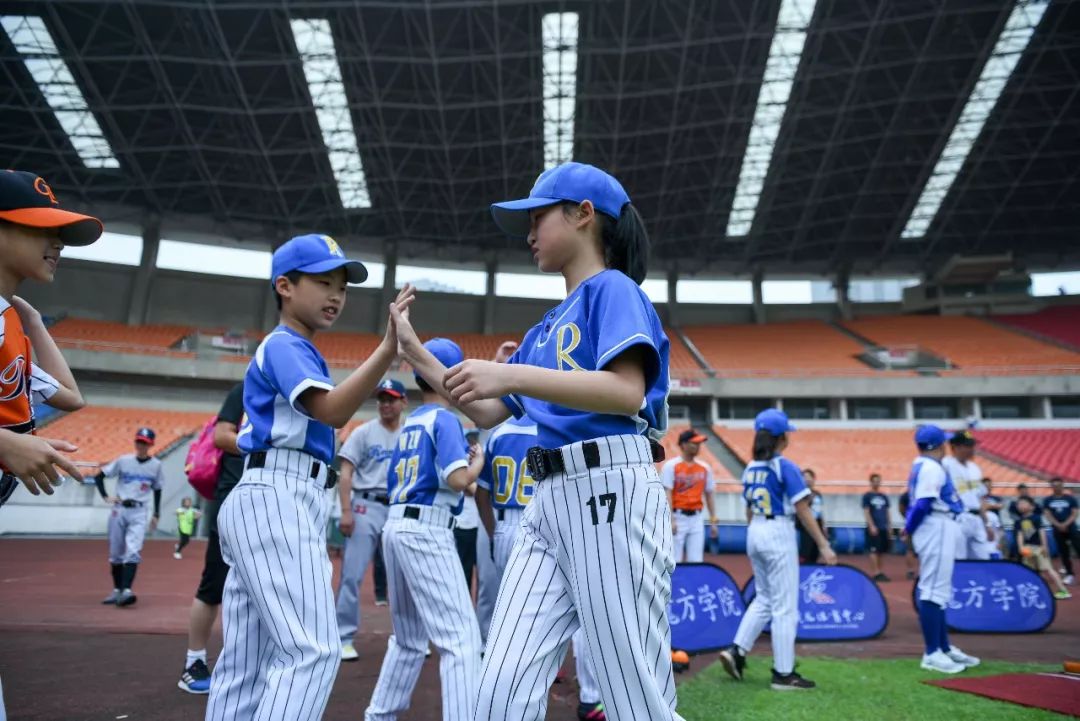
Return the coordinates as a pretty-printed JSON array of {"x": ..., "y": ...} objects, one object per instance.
[{"x": 567, "y": 339}]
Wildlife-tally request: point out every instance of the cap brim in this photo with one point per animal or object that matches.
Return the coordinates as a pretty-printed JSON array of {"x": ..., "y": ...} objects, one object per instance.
[
  {"x": 144, "y": 439},
  {"x": 696, "y": 439},
  {"x": 387, "y": 392},
  {"x": 791, "y": 428},
  {"x": 512, "y": 216},
  {"x": 75, "y": 229},
  {"x": 355, "y": 271}
]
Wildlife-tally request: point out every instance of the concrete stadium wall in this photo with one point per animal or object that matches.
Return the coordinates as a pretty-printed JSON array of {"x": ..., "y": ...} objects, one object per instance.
[{"x": 103, "y": 291}]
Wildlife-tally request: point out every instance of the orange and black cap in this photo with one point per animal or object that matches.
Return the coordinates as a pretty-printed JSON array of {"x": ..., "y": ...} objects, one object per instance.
[{"x": 26, "y": 199}]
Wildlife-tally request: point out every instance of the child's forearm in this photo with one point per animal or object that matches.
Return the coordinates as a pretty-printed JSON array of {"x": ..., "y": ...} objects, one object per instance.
[
  {"x": 485, "y": 413},
  {"x": 606, "y": 391},
  {"x": 51, "y": 360},
  {"x": 337, "y": 406}
]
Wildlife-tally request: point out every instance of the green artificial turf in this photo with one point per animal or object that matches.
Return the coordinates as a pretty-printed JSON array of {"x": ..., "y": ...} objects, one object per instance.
[{"x": 848, "y": 690}]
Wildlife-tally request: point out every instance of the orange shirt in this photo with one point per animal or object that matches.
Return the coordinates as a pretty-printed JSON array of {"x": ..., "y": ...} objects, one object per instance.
[
  {"x": 16, "y": 412},
  {"x": 688, "y": 483},
  {"x": 21, "y": 383}
]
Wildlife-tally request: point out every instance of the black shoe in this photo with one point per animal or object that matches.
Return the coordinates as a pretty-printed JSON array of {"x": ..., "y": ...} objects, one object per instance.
[
  {"x": 790, "y": 682},
  {"x": 591, "y": 712},
  {"x": 196, "y": 678},
  {"x": 734, "y": 661},
  {"x": 126, "y": 598}
]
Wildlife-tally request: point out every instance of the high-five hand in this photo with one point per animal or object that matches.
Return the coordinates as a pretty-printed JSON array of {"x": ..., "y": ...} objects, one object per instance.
[{"x": 476, "y": 380}]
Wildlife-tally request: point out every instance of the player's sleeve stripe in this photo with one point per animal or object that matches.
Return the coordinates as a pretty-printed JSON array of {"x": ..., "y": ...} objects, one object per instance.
[
  {"x": 514, "y": 405},
  {"x": 622, "y": 344},
  {"x": 800, "y": 495},
  {"x": 303, "y": 386},
  {"x": 444, "y": 473}
]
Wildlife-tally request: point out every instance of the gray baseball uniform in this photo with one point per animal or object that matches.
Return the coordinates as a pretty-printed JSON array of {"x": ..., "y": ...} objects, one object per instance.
[
  {"x": 369, "y": 449},
  {"x": 137, "y": 481}
]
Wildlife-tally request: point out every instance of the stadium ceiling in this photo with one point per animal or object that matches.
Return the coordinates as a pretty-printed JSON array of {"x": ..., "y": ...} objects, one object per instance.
[{"x": 245, "y": 119}]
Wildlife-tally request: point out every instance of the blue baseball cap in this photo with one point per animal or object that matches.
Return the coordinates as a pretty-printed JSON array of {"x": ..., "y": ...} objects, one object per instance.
[
  {"x": 447, "y": 351},
  {"x": 574, "y": 182},
  {"x": 391, "y": 387},
  {"x": 146, "y": 435},
  {"x": 928, "y": 437},
  {"x": 774, "y": 421},
  {"x": 314, "y": 253}
]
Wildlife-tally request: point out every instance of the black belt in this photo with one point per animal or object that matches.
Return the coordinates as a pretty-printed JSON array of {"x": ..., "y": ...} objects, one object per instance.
[
  {"x": 500, "y": 514},
  {"x": 685, "y": 512},
  {"x": 975, "y": 513},
  {"x": 129, "y": 503},
  {"x": 258, "y": 460},
  {"x": 544, "y": 462},
  {"x": 377, "y": 497},
  {"x": 413, "y": 512}
]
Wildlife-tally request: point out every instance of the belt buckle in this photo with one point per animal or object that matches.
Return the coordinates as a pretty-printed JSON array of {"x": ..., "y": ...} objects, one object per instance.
[{"x": 537, "y": 463}]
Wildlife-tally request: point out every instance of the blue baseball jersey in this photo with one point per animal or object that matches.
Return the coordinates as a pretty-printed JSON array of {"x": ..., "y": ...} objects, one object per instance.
[
  {"x": 430, "y": 447},
  {"x": 604, "y": 316},
  {"x": 929, "y": 479},
  {"x": 773, "y": 487},
  {"x": 505, "y": 474},
  {"x": 285, "y": 365}
]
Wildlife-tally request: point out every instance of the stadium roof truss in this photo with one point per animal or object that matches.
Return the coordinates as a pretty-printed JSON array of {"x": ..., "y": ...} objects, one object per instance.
[{"x": 789, "y": 136}]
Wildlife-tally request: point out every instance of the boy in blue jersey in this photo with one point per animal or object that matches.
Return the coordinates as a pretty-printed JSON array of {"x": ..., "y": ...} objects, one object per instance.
[
  {"x": 775, "y": 492},
  {"x": 281, "y": 650},
  {"x": 430, "y": 470},
  {"x": 931, "y": 525}
]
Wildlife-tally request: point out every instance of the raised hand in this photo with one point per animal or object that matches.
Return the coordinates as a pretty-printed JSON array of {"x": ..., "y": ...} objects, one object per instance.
[{"x": 399, "y": 309}]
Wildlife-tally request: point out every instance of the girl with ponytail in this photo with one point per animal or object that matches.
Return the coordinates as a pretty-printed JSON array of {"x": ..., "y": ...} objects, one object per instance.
[{"x": 595, "y": 547}]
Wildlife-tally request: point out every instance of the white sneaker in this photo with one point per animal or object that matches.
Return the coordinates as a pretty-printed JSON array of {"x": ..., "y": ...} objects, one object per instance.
[
  {"x": 348, "y": 652},
  {"x": 938, "y": 661},
  {"x": 177, "y": 556},
  {"x": 1069, "y": 580},
  {"x": 961, "y": 658}
]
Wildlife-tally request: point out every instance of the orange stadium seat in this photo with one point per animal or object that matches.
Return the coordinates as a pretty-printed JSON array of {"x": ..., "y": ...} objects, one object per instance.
[
  {"x": 851, "y": 455},
  {"x": 682, "y": 361},
  {"x": 766, "y": 350},
  {"x": 103, "y": 433},
  {"x": 346, "y": 350},
  {"x": 973, "y": 345},
  {"x": 120, "y": 338}
]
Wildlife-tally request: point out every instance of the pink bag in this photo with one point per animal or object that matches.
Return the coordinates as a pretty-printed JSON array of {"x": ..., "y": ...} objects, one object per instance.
[{"x": 203, "y": 463}]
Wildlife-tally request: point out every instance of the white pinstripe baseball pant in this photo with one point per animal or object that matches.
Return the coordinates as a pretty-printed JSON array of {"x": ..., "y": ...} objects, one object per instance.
[
  {"x": 595, "y": 552},
  {"x": 428, "y": 600},
  {"x": 281, "y": 652},
  {"x": 506, "y": 533}
]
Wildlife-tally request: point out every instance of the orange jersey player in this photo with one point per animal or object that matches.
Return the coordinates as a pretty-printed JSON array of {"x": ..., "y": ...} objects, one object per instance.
[
  {"x": 33, "y": 232},
  {"x": 689, "y": 484}
]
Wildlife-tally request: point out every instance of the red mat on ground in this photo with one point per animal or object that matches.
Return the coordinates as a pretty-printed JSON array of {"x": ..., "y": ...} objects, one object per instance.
[{"x": 1051, "y": 691}]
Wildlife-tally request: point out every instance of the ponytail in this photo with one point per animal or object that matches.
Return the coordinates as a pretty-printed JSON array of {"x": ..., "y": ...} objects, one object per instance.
[
  {"x": 626, "y": 243},
  {"x": 765, "y": 444}
]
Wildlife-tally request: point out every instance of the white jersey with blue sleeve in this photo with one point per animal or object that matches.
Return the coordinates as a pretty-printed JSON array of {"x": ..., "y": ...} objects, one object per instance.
[
  {"x": 604, "y": 316},
  {"x": 285, "y": 365},
  {"x": 505, "y": 474},
  {"x": 136, "y": 479},
  {"x": 431, "y": 446},
  {"x": 772, "y": 488},
  {"x": 929, "y": 479}
]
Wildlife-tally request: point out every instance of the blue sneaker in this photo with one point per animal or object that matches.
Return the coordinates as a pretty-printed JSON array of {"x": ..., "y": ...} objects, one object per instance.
[{"x": 196, "y": 678}]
